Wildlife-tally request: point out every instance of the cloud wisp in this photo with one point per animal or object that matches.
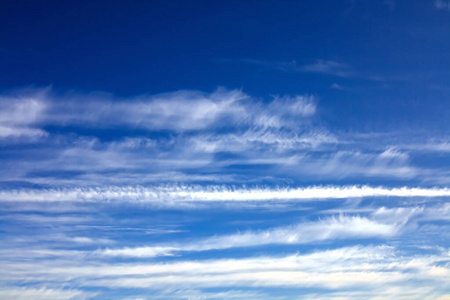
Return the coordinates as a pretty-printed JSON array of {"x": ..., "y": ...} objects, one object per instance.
[
  {"x": 330, "y": 68},
  {"x": 179, "y": 194},
  {"x": 335, "y": 228},
  {"x": 342, "y": 268},
  {"x": 320, "y": 66},
  {"x": 26, "y": 111},
  {"x": 190, "y": 136},
  {"x": 442, "y": 4}
]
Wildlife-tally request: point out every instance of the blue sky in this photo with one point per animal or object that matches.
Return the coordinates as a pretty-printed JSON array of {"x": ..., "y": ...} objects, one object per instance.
[{"x": 225, "y": 150}]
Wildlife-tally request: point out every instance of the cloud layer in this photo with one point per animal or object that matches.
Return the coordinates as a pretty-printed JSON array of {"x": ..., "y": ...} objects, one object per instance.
[
  {"x": 179, "y": 194},
  {"x": 214, "y": 195}
]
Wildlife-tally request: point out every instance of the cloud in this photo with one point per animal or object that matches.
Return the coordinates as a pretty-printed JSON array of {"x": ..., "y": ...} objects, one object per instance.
[
  {"x": 321, "y": 66},
  {"x": 140, "y": 252},
  {"x": 442, "y": 4},
  {"x": 18, "y": 114},
  {"x": 352, "y": 164},
  {"x": 399, "y": 215},
  {"x": 171, "y": 195},
  {"x": 43, "y": 293},
  {"x": 330, "y": 68},
  {"x": 182, "y": 110},
  {"x": 177, "y": 111},
  {"x": 342, "y": 227},
  {"x": 370, "y": 268},
  {"x": 382, "y": 223},
  {"x": 443, "y": 146},
  {"x": 437, "y": 213},
  {"x": 11, "y": 131},
  {"x": 211, "y": 158},
  {"x": 338, "y": 87},
  {"x": 192, "y": 127},
  {"x": 201, "y": 295},
  {"x": 264, "y": 140},
  {"x": 286, "y": 111},
  {"x": 403, "y": 292},
  {"x": 203, "y": 138}
]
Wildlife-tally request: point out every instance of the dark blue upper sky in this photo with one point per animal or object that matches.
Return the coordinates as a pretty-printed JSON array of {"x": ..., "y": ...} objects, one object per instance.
[{"x": 132, "y": 47}]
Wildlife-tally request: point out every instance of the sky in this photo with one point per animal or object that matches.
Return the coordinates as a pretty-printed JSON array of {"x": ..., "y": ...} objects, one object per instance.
[{"x": 225, "y": 149}]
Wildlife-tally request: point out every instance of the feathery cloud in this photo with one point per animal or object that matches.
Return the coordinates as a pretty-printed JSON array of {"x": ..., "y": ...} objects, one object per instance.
[
  {"x": 342, "y": 227},
  {"x": 174, "y": 194}
]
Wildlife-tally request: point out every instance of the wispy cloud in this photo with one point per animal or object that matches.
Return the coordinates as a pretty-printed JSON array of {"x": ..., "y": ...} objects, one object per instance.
[
  {"x": 19, "y": 113},
  {"x": 329, "y": 67},
  {"x": 43, "y": 293},
  {"x": 336, "y": 86},
  {"x": 182, "y": 110},
  {"x": 199, "y": 294},
  {"x": 442, "y": 4},
  {"x": 171, "y": 195},
  {"x": 348, "y": 267},
  {"x": 204, "y": 157},
  {"x": 436, "y": 146},
  {"x": 183, "y": 120},
  {"x": 342, "y": 227},
  {"x": 177, "y": 111},
  {"x": 202, "y": 139},
  {"x": 382, "y": 223},
  {"x": 321, "y": 66}
]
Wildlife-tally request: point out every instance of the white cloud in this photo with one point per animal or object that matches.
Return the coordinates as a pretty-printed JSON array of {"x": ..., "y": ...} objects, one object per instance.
[
  {"x": 202, "y": 295},
  {"x": 442, "y": 146},
  {"x": 329, "y": 67},
  {"x": 265, "y": 140},
  {"x": 143, "y": 160},
  {"x": 400, "y": 292},
  {"x": 279, "y": 133},
  {"x": 204, "y": 136},
  {"x": 383, "y": 223},
  {"x": 398, "y": 215},
  {"x": 26, "y": 293},
  {"x": 342, "y": 227},
  {"x": 354, "y": 164},
  {"x": 285, "y": 112},
  {"x": 179, "y": 111},
  {"x": 139, "y": 252},
  {"x": 337, "y": 87},
  {"x": 365, "y": 268},
  {"x": 437, "y": 213},
  {"x": 19, "y": 114},
  {"x": 88, "y": 240},
  {"x": 167, "y": 195},
  {"x": 8, "y": 131}
]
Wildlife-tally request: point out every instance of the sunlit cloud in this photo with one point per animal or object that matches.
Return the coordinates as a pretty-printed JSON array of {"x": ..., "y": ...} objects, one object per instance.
[{"x": 195, "y": 193}]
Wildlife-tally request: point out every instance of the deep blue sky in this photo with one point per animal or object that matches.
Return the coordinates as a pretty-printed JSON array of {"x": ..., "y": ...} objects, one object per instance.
[{"x": 225, "y": 149}]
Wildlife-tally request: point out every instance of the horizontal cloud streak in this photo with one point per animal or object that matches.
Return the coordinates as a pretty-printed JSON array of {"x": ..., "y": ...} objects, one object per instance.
[
  {"x": 24, "y": 112},
  {"x": 368, "y": 267},
  {"x": 44, "y": 293},
  {"x": 173, "y": 194},
  {"x": 342, "y": 227},
  {"x": 330, "y": 68}
]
